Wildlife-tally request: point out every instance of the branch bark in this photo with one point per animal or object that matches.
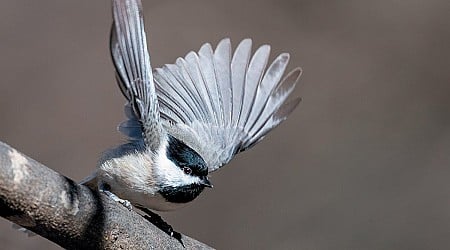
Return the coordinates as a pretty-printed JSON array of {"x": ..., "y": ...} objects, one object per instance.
[{"x": 71, "y": 215}]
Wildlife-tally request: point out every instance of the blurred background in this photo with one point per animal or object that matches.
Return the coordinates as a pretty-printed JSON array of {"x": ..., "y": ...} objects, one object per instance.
[{"x": 364, "y": 163}]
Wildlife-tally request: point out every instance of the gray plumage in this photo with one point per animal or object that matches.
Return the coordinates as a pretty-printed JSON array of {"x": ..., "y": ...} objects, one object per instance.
[
  {"x": 134, "y": 74},
  {"x": 217, "y": 102},
  {"x": 220, "y": 104}
]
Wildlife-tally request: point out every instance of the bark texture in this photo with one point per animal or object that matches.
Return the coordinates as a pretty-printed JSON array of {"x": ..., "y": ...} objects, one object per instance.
[{"x": 71, "y": 215}]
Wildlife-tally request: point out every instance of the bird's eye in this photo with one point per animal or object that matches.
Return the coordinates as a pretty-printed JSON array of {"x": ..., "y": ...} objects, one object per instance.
[{"x": 187, "y": 170}]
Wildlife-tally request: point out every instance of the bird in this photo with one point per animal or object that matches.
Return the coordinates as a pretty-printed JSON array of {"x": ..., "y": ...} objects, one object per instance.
[{"x": 188, "y": 119}]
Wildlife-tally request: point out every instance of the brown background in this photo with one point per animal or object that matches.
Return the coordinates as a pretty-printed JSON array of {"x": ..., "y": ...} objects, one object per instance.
[{"x": 364, "y": 163}]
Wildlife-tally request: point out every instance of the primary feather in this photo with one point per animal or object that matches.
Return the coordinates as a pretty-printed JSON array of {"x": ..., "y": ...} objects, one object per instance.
[
  {"x": 132, "y": 62},
  {"x": 220, "y": 104}
]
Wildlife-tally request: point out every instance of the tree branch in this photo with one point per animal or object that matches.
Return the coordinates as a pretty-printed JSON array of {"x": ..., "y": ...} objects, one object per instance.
[{"x": 72, "y": 215}]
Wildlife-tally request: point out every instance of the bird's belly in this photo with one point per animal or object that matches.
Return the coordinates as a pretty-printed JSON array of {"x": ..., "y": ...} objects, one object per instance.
[{"x": 132, "y": 180}]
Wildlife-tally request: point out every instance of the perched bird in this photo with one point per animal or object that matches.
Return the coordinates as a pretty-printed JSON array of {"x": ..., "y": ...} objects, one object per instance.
[{"x": 188, "y": 119}]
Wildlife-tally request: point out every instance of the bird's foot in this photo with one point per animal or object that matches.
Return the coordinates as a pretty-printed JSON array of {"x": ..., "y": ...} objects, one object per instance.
[
  {"x": 114, "y": 197},
  {"x": 156, "y": 220}
]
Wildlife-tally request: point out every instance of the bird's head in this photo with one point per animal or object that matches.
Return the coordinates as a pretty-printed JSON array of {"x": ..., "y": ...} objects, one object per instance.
[{"x": 181, "y": 172}]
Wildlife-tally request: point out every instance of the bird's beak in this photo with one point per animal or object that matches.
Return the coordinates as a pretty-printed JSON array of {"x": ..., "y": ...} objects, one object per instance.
[{"x": 205, "y": 182}]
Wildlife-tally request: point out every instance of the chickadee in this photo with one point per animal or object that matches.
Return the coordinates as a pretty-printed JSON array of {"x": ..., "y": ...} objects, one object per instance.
[{"x": 188, "y": 119}]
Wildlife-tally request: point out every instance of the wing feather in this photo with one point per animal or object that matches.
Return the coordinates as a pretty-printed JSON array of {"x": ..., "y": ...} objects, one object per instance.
[
  {"x": 135, "y": 78},
  {"x": 228, "y": 102},
  {"x": 222, "y": 69},
  {"x": 239, "y": 66},
  {"x": 265, "y": 88},
  {"x": 183, "y": 87},
  {"x": 191, "y": 90},
  {"x": 277, "y": 97},
  {"x": 203, "y": 97},
  {"x": 207, "y": 71},
  {"x": 253, "y": 77}
]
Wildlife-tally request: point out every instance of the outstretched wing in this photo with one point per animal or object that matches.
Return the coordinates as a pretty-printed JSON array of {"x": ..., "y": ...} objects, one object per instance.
[
  {"x": 134, "y": 74},
  {"x": 221, "y": 104}
]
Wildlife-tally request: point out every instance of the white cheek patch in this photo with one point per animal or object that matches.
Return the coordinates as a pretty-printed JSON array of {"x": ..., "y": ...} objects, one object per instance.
[{"x": 170, "y": 174}]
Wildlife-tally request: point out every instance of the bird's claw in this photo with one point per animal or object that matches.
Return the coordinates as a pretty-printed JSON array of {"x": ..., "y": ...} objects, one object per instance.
[
  {"x": 126, "y": 204},
  {"x": 114, "y": 197},
  {"x": 161, "y": 224}
]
